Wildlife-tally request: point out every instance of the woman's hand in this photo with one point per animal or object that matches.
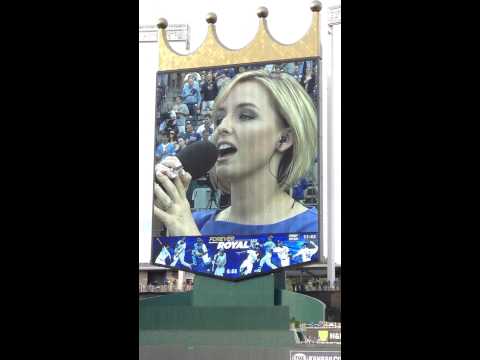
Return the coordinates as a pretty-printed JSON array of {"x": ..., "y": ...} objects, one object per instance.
[{"x": 171, "y": 205}]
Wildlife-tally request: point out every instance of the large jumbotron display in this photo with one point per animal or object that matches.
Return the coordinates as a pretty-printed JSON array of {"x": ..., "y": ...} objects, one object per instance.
[{"x": 236, "y": 184}]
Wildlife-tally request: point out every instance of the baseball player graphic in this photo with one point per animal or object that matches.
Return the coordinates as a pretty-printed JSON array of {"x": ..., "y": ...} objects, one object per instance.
[
  {"x": 282, "y": 252},
  {"x": 247, "y": 265},
  {"x": 307, "y": 252},
  {"x": 180, "y": 254},
  {"x": 219, "y": 262},
  {"x": 163, "y": 255},
  {"x": 200, "y": 252},
  {"x": 269, "y": 245}
]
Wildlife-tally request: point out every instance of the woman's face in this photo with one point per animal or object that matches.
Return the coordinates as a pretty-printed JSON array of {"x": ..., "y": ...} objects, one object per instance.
[{"x": 247, "y": 131}]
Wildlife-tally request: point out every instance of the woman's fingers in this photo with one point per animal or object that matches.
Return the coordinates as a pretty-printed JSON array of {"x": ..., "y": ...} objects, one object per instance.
[
  {"x": 179, "y": 184},
  {"x": 162, "y": 200},
  {"x": 165, "y": 170},
  {"x": 172, "y": 162},
  {"x": 186, "y": 179},
  {"x": 168, "y": 187},
  {"x": 160, "y": 214},
  {"x": 172, "y": 167}
]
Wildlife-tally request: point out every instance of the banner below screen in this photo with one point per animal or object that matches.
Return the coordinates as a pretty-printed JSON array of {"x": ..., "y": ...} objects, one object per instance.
[{"x": 235, "y": 257}]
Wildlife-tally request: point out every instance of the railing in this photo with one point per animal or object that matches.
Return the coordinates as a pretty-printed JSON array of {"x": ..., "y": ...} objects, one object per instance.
[
  {"x": 308, "y": 287},
  {"x": 311, "y": 333},
  {"x": 172, "y": 287},
  {"x": 166, "y": 288},
  {"x": 323, "y": 325}
]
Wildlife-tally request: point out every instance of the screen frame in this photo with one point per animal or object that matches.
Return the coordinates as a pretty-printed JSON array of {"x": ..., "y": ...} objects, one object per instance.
[{"x": 320, "y": 196}]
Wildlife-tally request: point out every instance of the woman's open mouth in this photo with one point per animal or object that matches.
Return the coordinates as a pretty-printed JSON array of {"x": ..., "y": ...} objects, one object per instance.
[{"x": 225, "y": 151}]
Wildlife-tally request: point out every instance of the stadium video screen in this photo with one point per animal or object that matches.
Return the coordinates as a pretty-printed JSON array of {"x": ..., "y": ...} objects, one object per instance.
[{"x": 236, "y": 173}]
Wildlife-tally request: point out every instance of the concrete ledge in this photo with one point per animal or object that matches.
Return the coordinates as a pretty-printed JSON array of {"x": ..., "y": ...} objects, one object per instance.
[
  {"x": 239, "y": 338},
  {"x": 168, "y": 317}
]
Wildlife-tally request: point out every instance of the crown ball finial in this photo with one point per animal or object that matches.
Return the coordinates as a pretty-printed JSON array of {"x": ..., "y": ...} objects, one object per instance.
[
  {"x": 162, "y": 23},
  {"x": 262, "y": 12},
  {"x": 211, "y": 18},
  {"x": 316, "y": 6}
]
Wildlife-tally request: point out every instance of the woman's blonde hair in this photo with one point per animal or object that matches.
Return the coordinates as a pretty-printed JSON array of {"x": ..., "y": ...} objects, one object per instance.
[{"x": 296, "y": 107}]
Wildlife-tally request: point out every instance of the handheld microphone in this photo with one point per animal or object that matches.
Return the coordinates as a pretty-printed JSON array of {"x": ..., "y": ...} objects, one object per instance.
[{"x": 198, "y": 158}]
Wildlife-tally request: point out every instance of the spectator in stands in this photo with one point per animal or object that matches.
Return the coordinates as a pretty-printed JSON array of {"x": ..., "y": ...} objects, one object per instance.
[
  {"x": 195, "y": 76},
  {"x": 209, "y": 93},
  {"x": 172, "y": 141},
  {"x": 266, "y": 135},
  {"x": 161, "y": 151},
  {"x": 181, "y": 112},
  {"x": 189, "y": 121},
  {"x": 189, "y": 135},
  {"x": 230, "y": 73},
  {"x": 297, "y": 75},
  {"x": 309, "y": 82},
  {"x": 203, "y": 79},
  {"x": 301, "y": 68},
  {"x": 171, "y": 123},
  {"x": 220, "y": 78},
  {"x": 181, "y": 144},
  {"x": 191, "y": 97},
  {"x": 163, "y": 122},
  {"x": 206, "y": 136},
  {"x": 289, "y": 68},
  {"x": 207, "y": 125}
]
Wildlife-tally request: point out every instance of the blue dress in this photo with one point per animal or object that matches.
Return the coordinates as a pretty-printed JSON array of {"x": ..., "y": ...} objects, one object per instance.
[{"x": 306, "y": 221}]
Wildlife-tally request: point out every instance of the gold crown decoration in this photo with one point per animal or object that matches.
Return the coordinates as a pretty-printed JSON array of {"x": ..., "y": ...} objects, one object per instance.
[{"x": 263, "y": 47}]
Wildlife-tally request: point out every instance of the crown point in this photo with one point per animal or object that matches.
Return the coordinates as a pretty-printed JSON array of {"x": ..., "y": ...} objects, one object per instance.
[
  {"x": 211, "y": 18},
  {"x": 262, "y": 12},
  {"x": 162, "y": 23},
  {"x": 316, "y": 6}
]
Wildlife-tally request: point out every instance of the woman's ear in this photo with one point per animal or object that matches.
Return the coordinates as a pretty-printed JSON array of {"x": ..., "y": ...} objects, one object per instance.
[{"x": 285, "y": 141}]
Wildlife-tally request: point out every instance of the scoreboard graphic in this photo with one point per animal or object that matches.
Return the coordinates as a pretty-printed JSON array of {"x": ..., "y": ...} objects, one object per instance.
[{"x": 235, "y": 257}]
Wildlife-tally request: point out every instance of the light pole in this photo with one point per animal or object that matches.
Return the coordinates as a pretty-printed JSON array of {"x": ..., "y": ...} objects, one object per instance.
[{"x": 333, "y": 127}]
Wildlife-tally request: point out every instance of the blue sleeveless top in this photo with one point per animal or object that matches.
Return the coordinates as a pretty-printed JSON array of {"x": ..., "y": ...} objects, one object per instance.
[{"x": 303, "y": 222}]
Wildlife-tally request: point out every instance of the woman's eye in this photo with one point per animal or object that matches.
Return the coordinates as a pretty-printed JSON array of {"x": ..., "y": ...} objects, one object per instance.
[{"x": 245, "y": 116}]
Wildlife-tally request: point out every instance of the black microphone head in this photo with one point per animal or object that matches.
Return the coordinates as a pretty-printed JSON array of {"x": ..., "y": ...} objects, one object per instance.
[{"x": 198, "y": 157}]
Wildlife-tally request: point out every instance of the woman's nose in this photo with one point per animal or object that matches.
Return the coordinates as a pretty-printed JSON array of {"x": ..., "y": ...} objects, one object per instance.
[{"x": 225, "y": 127}]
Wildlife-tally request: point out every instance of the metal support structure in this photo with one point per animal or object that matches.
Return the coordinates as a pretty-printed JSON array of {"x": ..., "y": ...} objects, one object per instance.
[
  {"x": 330, "y": 181},
  {"x": 180, "y": 280}
]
